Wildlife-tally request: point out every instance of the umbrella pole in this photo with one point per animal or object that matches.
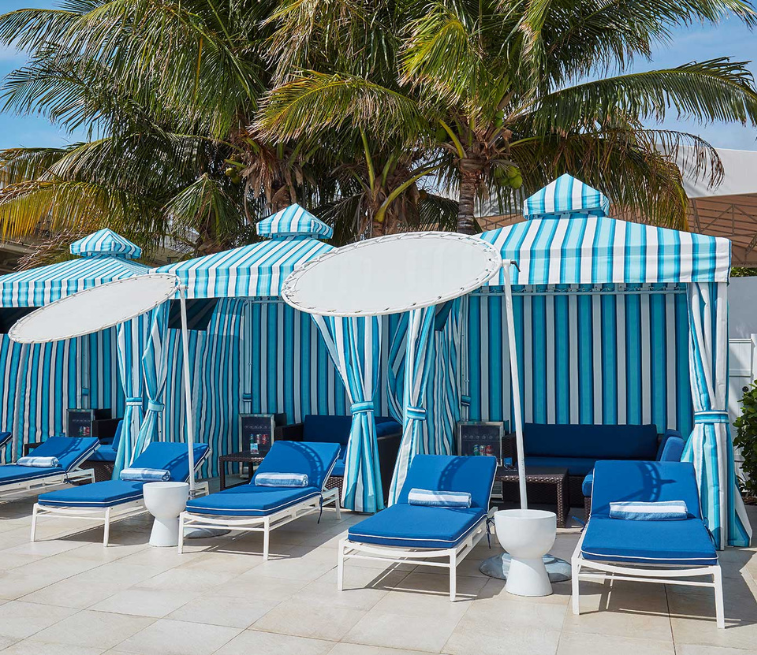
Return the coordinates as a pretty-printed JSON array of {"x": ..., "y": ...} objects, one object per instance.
[
  {"x": 515, "y": 383},
  {"x": 187, "y": 389}
]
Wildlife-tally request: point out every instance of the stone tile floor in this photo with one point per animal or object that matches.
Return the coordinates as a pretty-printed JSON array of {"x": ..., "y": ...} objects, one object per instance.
[{"x": 67, "y": 595}]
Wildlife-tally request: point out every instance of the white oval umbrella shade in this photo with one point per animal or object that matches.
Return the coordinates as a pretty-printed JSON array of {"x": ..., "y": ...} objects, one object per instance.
[
  {"x": 95, "y": 309},
  {"x": 392, "y": 274}
]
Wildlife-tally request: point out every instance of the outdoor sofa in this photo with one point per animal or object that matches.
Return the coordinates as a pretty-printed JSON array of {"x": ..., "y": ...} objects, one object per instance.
[
  {"x": 254, "y": 508},
  {"x": 659, "y": 551},
  {"x": 430, "y": 536},
  {"x": 336, "y": 429},
  {"x": 70, "y": 453},
  {"x": 579, "y": 447},
  {"x": 113, "y": 499}
]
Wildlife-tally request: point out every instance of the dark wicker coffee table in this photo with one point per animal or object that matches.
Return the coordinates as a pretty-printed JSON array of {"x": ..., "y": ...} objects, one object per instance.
[
  {"x": 245, "y": 457},
  {"x": 538, "y": 481}
]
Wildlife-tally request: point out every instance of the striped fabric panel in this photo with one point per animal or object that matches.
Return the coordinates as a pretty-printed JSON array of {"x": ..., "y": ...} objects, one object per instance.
[
  {"x": 709, "y": 447},
  {"x": 103, "y": 243},
  {"x": 594, "y": 250},
  {"x": 584, "y": 358},
  {"x": 257, "y": 270},
  {"x": 566, "y": 195},
  {"x": 40, "y": 286},
  {"x": 294, "y": 220}
]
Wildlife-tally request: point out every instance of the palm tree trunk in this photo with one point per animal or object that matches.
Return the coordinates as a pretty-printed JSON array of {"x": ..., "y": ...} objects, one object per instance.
[{"x": 466, "y": 201}]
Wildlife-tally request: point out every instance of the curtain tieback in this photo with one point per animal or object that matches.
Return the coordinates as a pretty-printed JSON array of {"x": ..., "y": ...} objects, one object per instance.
[
  {"x": 155, "y": 407},
  {"x": 416, "y": 413},
  {"x": 711, "y": 416},
  {"x": 135, "y": 401},
  {"x": 246, "y": 396},
  {"x": 465, "y": 401},
  {"x": 361, "y": 408}
]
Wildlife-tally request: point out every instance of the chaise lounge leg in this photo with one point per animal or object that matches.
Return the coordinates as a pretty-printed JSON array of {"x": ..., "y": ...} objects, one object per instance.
[
  {"x": 34, "y": 521},
  {"x": 340, "y": 567},
  {"x": 575, "y": 570},
  {"x": 181, "y": 533},
  {"x": 338, "y": 507},
  {"x": 106, "y": 528},
  {"x": 452, "y": 576},
  {"x": 717, "y": 579},
  {"x": 266, "y": 538}
]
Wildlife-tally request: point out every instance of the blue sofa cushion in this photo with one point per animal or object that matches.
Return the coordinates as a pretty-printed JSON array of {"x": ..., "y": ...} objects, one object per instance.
[
  {"x": 338, "y": 470},
  {"x": 336, "y": 429},
  {"x": 575, "y": 465},
  {"x": 415, "y": 526},
  {"x": 671, "y": 447},
  {"x": 591, "y": 441},
  {"x": 100, "y": 494},
  {"x": 249, "y": 500},
  {"x": 649, "y": 542},
  {"x": 587, "y": 484}
]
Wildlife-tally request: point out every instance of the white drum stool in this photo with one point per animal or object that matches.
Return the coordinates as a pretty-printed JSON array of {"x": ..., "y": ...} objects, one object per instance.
[
  {"x": 528, "y": 535},
  {"x": 165, "y": 501}
]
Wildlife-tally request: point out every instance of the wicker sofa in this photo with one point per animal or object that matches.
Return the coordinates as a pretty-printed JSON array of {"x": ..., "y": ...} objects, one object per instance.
[{"x": 336, "y": 429}]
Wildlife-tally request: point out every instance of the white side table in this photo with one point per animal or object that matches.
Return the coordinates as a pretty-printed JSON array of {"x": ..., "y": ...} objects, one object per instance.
[
  {"x": 165, "y": 501},
  {"x": 528, "y": 535}
]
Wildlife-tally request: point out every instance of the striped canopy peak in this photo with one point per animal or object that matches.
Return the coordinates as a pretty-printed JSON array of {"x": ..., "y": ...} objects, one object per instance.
[
  {"x": 294, "y": 221},
  {"x": 105, "y": 243},
  {"x": 566, "y": 195}
]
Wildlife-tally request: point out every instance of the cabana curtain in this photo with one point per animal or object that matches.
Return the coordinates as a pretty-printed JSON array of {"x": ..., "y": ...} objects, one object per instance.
[
  {"x": 354, "y": 344},
  {"x": 130, "y": 345},
  {"x": 155, "y": 370},
  {"x": 710, "y": 447}
]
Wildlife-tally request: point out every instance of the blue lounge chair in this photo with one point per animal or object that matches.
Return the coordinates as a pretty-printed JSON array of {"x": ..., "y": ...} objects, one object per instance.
[
  {"x": 430, "y": 536},
  {"x": 651, "y": 550},
  {"x": 252, "y": 508},
  {"x": 70, "y": 453},
  {"x": 112, "y": 499},
  {"x": 5, "y": 437}
]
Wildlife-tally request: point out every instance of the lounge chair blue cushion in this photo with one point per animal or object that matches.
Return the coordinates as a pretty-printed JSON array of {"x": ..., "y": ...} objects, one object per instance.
[
  {"x": 10, "y": 473},
  {"x": 446, "y": 473},
  {"x": 70, "y": 452},
  {"x": 415, "y": 526},
  {"x": 248, "y": 500},
  {"x": 646, "y": 542},
  {"x": 649, "y": 542},
  {"x": 100, "y": 494},
  {"x": 314, "y": 459},
  {"x": 173, "y": 457}
]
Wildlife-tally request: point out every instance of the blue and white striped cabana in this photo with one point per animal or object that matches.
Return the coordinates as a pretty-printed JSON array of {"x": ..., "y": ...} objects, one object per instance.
[
  {"x": 39, "y": 382},
  {"x": 616, "y": 323}
]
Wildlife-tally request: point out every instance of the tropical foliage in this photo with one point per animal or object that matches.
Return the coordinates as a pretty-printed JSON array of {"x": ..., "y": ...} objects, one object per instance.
[{"x": 204, "y": 115}]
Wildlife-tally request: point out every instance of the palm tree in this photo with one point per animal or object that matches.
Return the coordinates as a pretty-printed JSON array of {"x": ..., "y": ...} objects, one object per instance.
[{"x": 500, "y": 85}]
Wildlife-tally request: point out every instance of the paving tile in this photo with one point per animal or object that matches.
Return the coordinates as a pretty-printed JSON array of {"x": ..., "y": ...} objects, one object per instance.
[
  {"x": 72, "y": 593},
  {"x": 359, "y": 649},
  {"x": 409, "y": 631},
  {"x": 94, "y": 629},
  {"x": 479, "y": 638},
  {"x": 572, "y": 643},
  {"x": 269, "y": 643},
  {"x": 143, "y": 602},
  {"x": 20, "y": 619},
  {"x": 224, "y": 610},
  {"x": 177, "y": 579},
  {"x": 303, "y": 619},
  {"x": 34, "y": 647},
  {"x": 259, "y": 587},
  {"x": 698, "y": 649},
  {"x": 168, "y": 637}
]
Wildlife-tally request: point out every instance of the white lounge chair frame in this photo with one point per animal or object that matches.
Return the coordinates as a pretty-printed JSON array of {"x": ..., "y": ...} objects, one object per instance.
[
  {"x": 264, "y": 524},
  {"x": 449, "y": 558},
  {"x": 659, "y": 574},
  {"x": 23, "y": 487},
  {"x": 102, "y": 515}
]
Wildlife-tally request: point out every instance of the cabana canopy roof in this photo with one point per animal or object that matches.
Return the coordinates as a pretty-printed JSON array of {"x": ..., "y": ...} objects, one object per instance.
[
  {"x": 258, "y": 269},
  {"x": 105, "y": 256},
  {"x": 568, "y": 239}
]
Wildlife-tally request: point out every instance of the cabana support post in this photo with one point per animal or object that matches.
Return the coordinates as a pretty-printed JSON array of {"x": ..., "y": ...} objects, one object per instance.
[{"x": 187, "y": 388}]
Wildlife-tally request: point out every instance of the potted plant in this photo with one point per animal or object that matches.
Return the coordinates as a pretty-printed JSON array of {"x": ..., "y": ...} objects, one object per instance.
[{"x": 746, "y": 440}]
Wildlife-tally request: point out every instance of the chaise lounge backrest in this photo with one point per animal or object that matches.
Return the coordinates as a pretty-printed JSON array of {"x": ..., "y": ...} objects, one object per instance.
[
  {"x": 70, "y": 451},
  {"x": 621, "y": 481},
  {"x": 313, "y": 459},
  {"x": 446, "y": 473},
  {"x": 172, "y": 457}
]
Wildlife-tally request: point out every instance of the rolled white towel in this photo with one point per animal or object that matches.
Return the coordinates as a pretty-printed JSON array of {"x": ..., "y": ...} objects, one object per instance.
[
  {"x": 670, "y": 510},
  {"x": 439, "y": 498},
  {"x": 281, "y": 480},
  {"x": 145, "y": 475},
  {"x": 39, "y": 462}
]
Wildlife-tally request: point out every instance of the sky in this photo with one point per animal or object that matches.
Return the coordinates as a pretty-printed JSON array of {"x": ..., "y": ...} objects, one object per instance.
[{"x": 697, "y": 43}]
